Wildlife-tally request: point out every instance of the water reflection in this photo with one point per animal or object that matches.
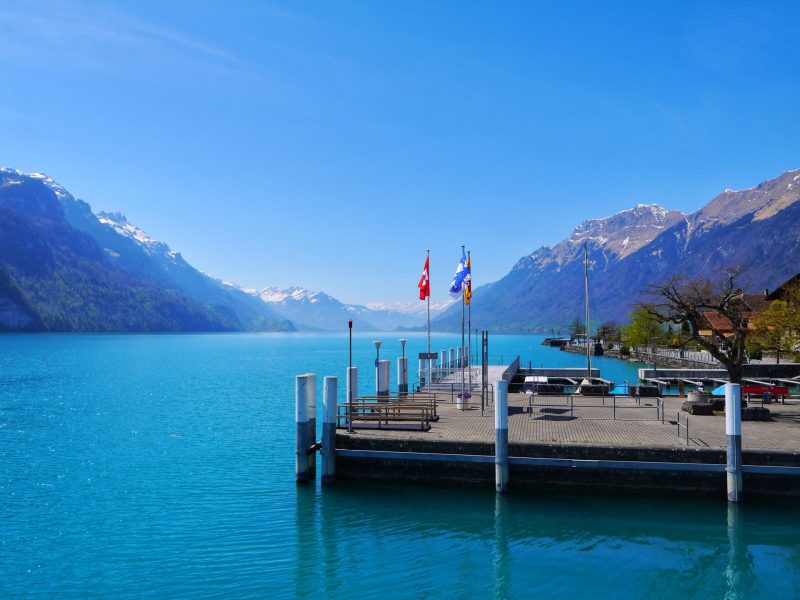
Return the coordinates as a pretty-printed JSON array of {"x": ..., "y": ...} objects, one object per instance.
[{"x": 415, "y": 542}]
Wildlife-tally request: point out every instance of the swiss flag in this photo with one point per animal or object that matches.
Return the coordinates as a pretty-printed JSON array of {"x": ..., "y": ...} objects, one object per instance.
[{"x": 424, "y": 284}]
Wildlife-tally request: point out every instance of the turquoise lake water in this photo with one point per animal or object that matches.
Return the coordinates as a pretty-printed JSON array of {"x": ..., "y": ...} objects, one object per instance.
[{"x": 163, "y": 466}]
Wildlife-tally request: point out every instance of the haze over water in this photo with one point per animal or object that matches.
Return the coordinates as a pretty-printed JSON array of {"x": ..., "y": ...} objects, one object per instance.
[{"x": 163, "y": 465}]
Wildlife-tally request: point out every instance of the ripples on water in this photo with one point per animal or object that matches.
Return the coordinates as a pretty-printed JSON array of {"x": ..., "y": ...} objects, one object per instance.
[{"x": 163, "y": 466}]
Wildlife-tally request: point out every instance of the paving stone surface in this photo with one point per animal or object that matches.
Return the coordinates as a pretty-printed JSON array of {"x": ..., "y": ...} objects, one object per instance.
[{"x": 603, "y": 422}]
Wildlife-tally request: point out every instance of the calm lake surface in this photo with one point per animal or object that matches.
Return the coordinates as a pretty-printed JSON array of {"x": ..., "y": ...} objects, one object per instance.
[{"x": 163, "y": 466}]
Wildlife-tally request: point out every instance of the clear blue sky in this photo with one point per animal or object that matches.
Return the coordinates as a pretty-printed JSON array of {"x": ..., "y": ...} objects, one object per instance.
[{"x": 329, "y": 144}]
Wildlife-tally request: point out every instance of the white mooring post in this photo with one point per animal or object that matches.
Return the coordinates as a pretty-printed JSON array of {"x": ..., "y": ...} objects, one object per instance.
[
  {"x": 329, "y": 400},
  {"x": 501, "y": 436},
  {"x": 382, "y": 378},
  {"x": 733, "y": 432},
  {"x": 443, "y": 364},
  {"x": 402, "y": 376},
  {"x": 305, "y": 427},
  {"x": 459, "y": 357},
  {"x": 423, "y": 375},
  {"x": 352, "y": 391},
  {"x": 452, "y": 363}
]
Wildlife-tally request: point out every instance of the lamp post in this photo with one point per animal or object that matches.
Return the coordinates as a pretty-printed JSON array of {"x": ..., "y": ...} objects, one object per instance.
[
  {"x": 377, "y": 366},
  {"x": 403, "y": 345}
]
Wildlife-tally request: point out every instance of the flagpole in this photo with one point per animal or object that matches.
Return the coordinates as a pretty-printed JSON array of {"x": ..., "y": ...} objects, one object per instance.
[
  {"x": 586, "y": 279},
  {"x": 469, "y": 324},
  {"x": 462, "y": 335},
  {"x": 430, "y": 362}
]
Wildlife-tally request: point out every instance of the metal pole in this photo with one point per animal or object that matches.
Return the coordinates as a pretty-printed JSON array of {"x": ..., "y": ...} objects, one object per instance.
[
  {"x": 733, "y": 431},
  {"x": 329, "y": 398},
  {"x": 352, "y": 392},
  {"x": 586, "y": 278},
  {"x": 501, "y": 436},
  {"x": 349, "y": 383}
]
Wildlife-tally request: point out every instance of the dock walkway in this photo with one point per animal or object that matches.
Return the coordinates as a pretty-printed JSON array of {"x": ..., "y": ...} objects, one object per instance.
[{"x": 596, "y": 427}]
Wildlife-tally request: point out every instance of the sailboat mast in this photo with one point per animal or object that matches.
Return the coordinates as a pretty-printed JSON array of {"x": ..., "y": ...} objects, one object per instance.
[{"x": 586, "y": 281}]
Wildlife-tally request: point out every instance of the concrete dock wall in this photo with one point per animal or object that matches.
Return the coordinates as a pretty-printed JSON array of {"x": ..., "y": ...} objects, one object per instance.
[{"x": 536, "y": 478}]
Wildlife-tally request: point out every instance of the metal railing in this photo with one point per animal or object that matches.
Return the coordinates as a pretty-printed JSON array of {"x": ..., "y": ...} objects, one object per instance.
[
  {"x": 614, "y": 404},
  {"x": 685, "y": 426}
]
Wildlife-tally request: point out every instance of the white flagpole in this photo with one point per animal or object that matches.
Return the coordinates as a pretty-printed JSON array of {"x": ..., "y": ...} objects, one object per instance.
[
  {"x": 469, "y": 326},
  {"x": 462, "y": 334},
  {"x": 430, "y": 362}
]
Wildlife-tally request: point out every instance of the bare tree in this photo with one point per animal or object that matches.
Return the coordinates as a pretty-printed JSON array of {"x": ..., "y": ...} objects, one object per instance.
[{"x": 717, "y": 307}]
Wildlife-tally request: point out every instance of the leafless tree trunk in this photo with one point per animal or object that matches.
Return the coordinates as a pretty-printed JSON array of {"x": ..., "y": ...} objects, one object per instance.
[{"x": 687, "y": 301}]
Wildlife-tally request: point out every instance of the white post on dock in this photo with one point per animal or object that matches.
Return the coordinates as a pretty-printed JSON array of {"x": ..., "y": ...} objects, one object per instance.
[
  {"x": 501, "y": 436},
  {"x": 352, "y": 392},
  {"x": 733, "y": 432},
  {"x": 329, "y": 400},
  {"x": 402, "y": 376},
  {"x": 459, "y": 357},
  {"x": 443, "y": 365},
  {"x": 305, "y": 406},
  {"x": 382, "y": 379},
  {"x": 423, "y": 375},
  {"x": 452, "y": 363}
]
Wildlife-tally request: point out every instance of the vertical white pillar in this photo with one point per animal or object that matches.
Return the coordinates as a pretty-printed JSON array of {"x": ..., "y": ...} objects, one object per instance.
[
  {"x": 452, "y": 363},
  {"x": 733, "y": 432},
  {"x": 501, "y": 436},
  {"x": 423, "y": 374},
  {"x": 305, "y": 400},
  {"x": 402, "y": 376},
  {"x": 382, "y": 378},
  {"x": 443, "y": 364},
  {"x": 352, "y": 390},
  {"x": 329, "y": 400},
  {"x": 459, "y": 357}
]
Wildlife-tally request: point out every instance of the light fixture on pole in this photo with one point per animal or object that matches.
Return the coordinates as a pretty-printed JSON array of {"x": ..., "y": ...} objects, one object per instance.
[{"x": 403, "y": 344}]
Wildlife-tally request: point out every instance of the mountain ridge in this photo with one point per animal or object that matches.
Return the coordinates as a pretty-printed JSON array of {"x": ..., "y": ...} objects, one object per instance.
[{"x": 757, "y": 227}]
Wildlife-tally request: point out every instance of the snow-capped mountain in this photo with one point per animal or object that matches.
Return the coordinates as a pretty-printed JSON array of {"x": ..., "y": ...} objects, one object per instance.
[
  {"x": 117, "y": 277},
  {"x": 318, "y": 311},
  {"x": 757, "y": 228}
]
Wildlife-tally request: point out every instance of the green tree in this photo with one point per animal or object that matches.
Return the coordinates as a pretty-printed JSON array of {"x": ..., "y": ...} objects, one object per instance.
[
  {"x": 777, "y": 327},
  {"x": 643, "y": 328}
]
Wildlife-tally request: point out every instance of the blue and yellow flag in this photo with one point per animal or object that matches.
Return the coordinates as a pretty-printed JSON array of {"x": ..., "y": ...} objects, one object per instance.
[{"x": 468, "y": 280}]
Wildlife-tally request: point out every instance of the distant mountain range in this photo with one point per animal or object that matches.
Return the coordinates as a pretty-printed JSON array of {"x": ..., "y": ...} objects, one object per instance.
[
  {"x": 317, "y": 311},
  {"x": 65, "y": 268},
  {"x": 757, "y": 228}
]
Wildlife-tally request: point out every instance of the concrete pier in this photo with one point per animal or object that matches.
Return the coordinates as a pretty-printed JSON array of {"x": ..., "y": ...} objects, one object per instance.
[
  {"x": 402, "y": 376},
  {"x": 382, "y": 379},
  {"x": 329, "y": 403},
  {"x": 501, "y": 436},
  {"x": 733, "y": 431},
  {"x": 305, "y": 427}
]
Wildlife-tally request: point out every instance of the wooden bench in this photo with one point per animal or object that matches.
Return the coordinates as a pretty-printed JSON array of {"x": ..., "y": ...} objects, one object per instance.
[
  {"x": 385, "y": 413},
  {"x": 428, "y": 400}
]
